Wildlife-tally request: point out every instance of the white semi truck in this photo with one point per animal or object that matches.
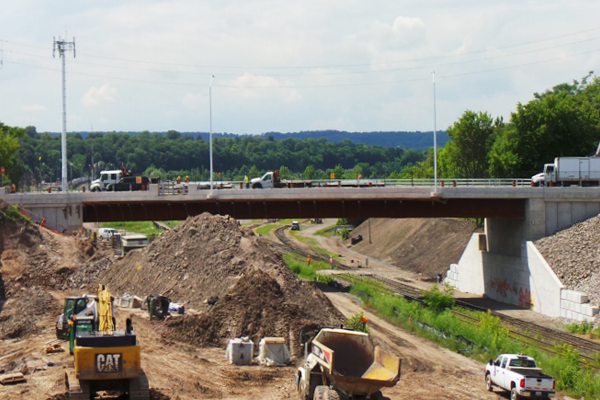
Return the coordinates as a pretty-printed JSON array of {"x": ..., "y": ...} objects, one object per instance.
[{"x": 566, "y": 171}]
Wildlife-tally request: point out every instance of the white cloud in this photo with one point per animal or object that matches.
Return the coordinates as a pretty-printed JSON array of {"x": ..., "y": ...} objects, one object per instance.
[
  {"x": 33, "y": 108},
  {"x": 261, "y": 86},
  {"x": 97, "y": 96}
]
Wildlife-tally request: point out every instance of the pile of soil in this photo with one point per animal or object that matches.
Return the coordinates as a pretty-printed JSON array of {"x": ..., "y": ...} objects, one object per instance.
[
  {"x": 421, "y": 245},
  {"x": 33, "y": 260},
  {"x": 26, "y": 312},
  {"x": 253, "y": 291}
]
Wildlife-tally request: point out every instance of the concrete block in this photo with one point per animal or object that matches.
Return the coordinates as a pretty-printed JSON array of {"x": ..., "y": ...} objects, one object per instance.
[
  {"x": 563, "y": 294},
  {"x": 589, "y": 310},
  {"x": 570, "y": 314},
  {"x": 453, "y": 267},
  {"x": 580, "y": 298},
  {"x": 563, "y": 304}
]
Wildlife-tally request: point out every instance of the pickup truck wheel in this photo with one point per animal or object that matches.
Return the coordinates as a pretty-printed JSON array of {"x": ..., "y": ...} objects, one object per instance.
[
  {"x": 257, "y": 186},
  {"x": 488, "y": 383},
  {"x": 514, "y": 395}
]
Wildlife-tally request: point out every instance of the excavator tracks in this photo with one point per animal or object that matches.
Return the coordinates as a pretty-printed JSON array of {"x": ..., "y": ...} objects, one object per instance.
[
  {"x": 78, "y": 390},
  {"x": 139, "y": 388}
]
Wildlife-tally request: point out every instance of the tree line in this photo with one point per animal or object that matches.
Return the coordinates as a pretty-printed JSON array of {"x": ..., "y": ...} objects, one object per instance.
[
  {"x": 563, "y": 121},
  {"x": 36, "y": 156}
]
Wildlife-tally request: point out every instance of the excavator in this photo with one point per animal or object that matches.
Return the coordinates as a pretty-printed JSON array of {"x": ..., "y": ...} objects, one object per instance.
[{"x": 105, "y": 359}]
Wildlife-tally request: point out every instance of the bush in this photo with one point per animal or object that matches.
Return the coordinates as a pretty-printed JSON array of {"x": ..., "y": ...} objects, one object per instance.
[
  {"x": 439, "y": 300},
  {"x": 358, "y": 322}
]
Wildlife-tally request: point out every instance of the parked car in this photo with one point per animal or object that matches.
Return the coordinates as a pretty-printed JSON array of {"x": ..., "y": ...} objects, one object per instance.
[
  {"x": 295, "y": 225},
  {"x": 129, "y": 183},
  {"x": 520, "y": 375},
  {"x": 108, "y": 233}
]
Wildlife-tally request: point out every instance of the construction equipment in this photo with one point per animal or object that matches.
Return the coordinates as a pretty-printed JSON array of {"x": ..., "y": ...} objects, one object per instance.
[
  {"x": 105, "y": 359},
  {"x": 79, "y": 306},
  {"x": 158, "y": 306},
  {"x": 345, "y": 364}
]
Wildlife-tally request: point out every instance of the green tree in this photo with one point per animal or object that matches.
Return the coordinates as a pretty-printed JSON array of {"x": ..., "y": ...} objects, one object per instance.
[
  {"x": 9, "y": 144},
  {"x": 466, "y": 155},
  {"x": 253, "y": 173},
  {"x": 309, "y": 172},
  {"x": 284, "y": 172},
  {"x": 338, "y": 172}
]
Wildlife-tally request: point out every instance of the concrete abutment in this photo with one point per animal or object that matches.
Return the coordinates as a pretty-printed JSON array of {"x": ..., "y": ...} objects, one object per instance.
[{"x": 510, "y": 269}]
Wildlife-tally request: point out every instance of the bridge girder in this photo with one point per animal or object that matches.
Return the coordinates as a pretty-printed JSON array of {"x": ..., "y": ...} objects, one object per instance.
[{"x": 300, "y": 209}]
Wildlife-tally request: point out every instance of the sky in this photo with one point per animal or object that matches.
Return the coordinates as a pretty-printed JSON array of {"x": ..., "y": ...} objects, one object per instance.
[{"x": 286, "y": 66}]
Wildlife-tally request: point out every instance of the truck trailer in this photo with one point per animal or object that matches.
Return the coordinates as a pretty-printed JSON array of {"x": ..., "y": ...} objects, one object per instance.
[{"x": 567, "y": 171}]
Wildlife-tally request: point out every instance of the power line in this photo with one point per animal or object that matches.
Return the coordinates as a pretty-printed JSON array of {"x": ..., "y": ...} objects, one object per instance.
[{"x": 328, "y": 66}]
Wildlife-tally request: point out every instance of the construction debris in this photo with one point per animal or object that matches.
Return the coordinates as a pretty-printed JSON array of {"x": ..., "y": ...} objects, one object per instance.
[
  {"x": 12, "y": 378},
  {"x": 53, "y": 346}
]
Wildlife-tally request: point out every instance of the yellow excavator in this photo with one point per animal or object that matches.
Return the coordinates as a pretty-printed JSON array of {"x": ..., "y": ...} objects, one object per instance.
[{"x": 105, "y": 359}]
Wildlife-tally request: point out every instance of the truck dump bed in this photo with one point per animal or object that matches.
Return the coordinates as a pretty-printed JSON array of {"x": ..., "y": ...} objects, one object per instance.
[{"x": 353, "y": 364}]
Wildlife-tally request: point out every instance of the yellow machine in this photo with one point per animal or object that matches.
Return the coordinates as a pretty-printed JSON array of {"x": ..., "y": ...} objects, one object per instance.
[{"x": 106, "y": 359}]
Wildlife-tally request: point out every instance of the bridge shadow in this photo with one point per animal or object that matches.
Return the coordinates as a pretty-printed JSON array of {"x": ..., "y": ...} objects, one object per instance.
[{"x": 489, "y": 304}]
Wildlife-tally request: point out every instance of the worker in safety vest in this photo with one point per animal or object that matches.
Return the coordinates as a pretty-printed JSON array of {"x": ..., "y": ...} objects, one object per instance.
[
  {"x": 308, "y": 260},
  {"x": 187, "y": 179},
  {"x": 178, "y": 179},
  {"x": 247, "y": 181}
]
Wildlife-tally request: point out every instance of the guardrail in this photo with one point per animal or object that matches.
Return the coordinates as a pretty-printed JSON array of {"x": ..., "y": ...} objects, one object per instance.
[{"x": 346, "y": 183}]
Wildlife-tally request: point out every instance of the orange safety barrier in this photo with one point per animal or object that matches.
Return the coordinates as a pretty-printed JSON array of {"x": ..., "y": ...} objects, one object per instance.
[
  {"x": 514, "y": 184},
  {"x": 241, "y": 185},
  {"x": 442, "y": 183},
  {"x": 49, "y": 190},
  {"x": 532, "y": 184},
  {"x": 453, "y": 183},
  {"x": 370, "y": 184},
  {"x": 339, "y": 184}
]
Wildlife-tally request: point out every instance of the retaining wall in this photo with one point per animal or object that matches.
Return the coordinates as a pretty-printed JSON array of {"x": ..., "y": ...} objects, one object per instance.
[{"x": 526, "y": 281}]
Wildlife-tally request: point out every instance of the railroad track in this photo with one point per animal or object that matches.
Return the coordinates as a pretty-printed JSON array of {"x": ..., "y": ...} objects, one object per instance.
[
  {"x": 523, "y": 331},
  {"x": 283, "y": 238}
]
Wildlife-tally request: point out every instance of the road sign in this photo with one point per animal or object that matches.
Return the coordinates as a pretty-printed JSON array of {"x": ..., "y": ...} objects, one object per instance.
[{"x": 2, "y": 170}]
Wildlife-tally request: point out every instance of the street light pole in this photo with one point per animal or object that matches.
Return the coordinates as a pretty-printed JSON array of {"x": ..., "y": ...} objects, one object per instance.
[
  {"x": 210, "y": 134},
  {"x": 434, "y": 137}
]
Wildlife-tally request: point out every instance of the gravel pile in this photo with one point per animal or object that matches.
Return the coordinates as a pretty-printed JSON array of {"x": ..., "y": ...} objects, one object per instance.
[{"x": 574, "y": 255}]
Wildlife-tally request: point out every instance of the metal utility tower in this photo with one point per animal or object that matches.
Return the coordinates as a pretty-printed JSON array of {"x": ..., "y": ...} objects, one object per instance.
[
  {"x": 63, "y": 46},
  {"x": 434, "y": 137},
  {"x": 210, "y": 134}
]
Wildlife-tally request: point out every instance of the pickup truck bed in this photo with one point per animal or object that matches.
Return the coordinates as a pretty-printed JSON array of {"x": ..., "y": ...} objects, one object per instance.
[{"x": 530, "y": 373}]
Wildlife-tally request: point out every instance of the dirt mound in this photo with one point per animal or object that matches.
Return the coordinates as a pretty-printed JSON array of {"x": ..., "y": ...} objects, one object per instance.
[
  {"x": 26, "y": 313},
  {"x": 422, "y": 245},
  {"x": 256, "y": 307},
  {"x": 212, "y": 257},
  {"x": 574, "y": 256}
]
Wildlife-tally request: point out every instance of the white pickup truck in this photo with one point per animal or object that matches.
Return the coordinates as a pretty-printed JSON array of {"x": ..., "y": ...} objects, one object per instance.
[{"x": 520, "y": 375}]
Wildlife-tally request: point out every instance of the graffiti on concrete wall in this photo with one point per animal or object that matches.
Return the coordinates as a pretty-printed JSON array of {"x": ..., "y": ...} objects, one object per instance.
[
  {"x": 503, "y": 287},
  {"x": 525, "y": 300}
]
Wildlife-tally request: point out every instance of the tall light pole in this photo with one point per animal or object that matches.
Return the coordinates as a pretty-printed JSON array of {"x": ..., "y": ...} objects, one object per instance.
[
  {"x": 62, "y": 47},
  {"x": 434, "y": 138},
  {"x": 210, "y": 132}
]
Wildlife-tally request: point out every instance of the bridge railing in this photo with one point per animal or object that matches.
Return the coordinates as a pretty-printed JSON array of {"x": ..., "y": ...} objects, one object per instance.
[{"x": 482, "y": 182}]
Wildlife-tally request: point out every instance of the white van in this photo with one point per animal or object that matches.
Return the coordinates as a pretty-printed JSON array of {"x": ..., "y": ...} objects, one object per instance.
[
  {"x": 106, "y": 178},
  {"x": 108, "y": 233}
]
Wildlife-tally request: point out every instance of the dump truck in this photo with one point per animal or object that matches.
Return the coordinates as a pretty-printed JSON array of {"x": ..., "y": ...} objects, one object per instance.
[
  {"x": 105, "y": 359},
  {"x": 345, "y": 364}
]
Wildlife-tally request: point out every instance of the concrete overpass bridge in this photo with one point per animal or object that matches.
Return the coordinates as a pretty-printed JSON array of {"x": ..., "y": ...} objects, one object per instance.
[{"x": 500, "y": 263}]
